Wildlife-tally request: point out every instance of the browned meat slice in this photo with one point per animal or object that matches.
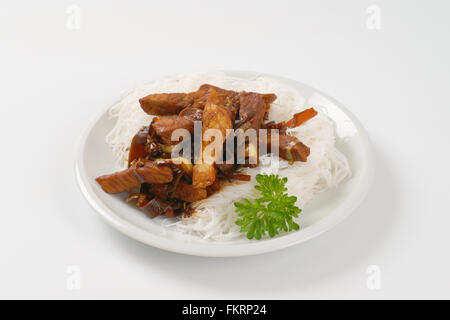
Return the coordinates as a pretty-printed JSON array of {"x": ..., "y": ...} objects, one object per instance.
[
  {"x": 172, "y": 103},
  {"x": 161, "y": 104},
  {"x": 166, "y": 103},
  {"x": 133, "y": 177},
  {"x": 251, "y": 111},
  {"x": 203, "y": 175},
  {"x": 221, "y": 97},
  {"x": 188, "y": 193},
  {"x": 157, "y": 207},
  {"x": 155, "y": 173},
  {"x": 165, "y": 126},
  {"x": 229, "y": 98},
  {"x": 216, "y": 117},
  {"x": 192, "y": 113},
  {"x": 253, "y": 107},
  {"x": 120, "y": 181},
  {"x": 291, "y": 149}
]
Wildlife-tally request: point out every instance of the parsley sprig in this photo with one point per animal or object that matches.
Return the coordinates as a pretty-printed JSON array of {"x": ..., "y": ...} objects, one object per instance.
[{"x": 272, "y": 212}]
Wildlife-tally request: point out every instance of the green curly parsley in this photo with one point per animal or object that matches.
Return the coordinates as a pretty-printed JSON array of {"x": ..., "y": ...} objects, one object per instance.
[{"x": 272, "y": 212}]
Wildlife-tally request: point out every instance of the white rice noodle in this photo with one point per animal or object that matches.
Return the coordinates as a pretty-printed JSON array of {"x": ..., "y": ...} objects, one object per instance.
[{"x": 215, "y": 217}]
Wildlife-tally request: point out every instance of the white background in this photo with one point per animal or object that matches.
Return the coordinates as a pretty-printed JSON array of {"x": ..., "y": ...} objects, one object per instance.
[{"x": 53, "y": 80}]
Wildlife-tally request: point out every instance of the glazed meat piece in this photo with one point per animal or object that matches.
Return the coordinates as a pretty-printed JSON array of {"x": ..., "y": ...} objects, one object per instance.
[
  {"x": 173, "y": 103},
  {"x": 216, "y": 117},
  {"x": 192, "y": 113},
  {"x": 232, "y": 99},
  {"x": 188, "y": 193},
  {"x": 253, "y": 107},
  {"x": 291, "y": 149},
  {"x": 228, "y": 98},
  {"x": 120, "y": 181},
  {"x": 161, "y": 104},
  {"x": 203, "y": 175},
  {"x": 252, "y": 111},
  {"x": 133, "y": 177},
  {"x": 221, "y": 97},
  {"x": 165, "y": 126},
  {"x": 155, "y": 173}
]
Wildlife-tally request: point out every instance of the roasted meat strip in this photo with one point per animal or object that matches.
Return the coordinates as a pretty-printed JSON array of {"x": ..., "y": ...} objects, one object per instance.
[
  {"x": 216, "y": 117},
  {"x": 289, "y": 148},
  {"x": 133, "y": 177},
  {"x": 165, "y": 126},
  {"x": 161, "y": 104},
  {"x": 155, "y": 173},
  {"x": 120, "y": 181},
  {"x": 203, "y": 175},
  {"x": 251, "y": 111}
]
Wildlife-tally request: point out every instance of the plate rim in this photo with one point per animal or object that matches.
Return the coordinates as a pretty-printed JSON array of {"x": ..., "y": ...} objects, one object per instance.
[{"x": 221, "y": 249}]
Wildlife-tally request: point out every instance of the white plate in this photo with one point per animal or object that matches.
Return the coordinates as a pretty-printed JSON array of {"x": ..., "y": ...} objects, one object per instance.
[{"x": 327, "y": 210}]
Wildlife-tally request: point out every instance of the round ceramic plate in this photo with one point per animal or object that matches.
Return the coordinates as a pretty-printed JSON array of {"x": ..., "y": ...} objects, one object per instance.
[{"x": 326, "y": 210}]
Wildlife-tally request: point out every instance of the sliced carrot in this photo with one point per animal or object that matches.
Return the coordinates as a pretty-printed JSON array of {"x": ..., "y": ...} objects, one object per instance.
[
  {"x": 301, "y": 117},
  {"x": 242, "y": 177}
]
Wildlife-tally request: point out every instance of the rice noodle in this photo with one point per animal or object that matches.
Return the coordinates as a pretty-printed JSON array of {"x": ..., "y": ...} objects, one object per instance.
[{"x": 214, "y": 217}]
